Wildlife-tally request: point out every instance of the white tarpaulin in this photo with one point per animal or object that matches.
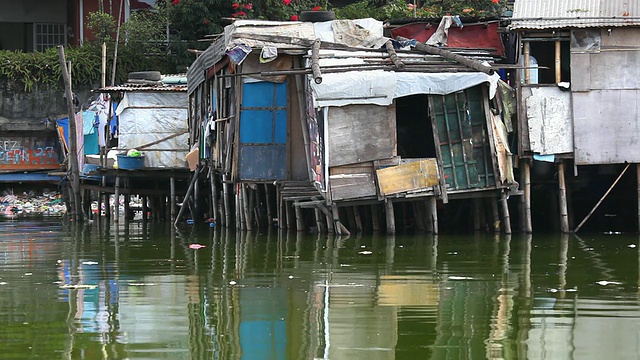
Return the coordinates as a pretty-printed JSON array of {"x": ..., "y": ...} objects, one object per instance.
[
  {"x": 146, "y": 117},
  {"x": 381, "y": 87}
]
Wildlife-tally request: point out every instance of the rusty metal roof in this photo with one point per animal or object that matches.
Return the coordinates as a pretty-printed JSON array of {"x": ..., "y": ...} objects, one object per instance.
[
  {"x": 558, "y": 14},
  {"x": 142, "y": 87}
]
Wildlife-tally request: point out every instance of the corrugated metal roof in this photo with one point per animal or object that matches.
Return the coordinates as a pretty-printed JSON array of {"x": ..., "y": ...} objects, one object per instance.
[
  {"x": 197, "y": 73},
  {"x": 557, "y": 14},
  {"x": 143, "y": 87}
]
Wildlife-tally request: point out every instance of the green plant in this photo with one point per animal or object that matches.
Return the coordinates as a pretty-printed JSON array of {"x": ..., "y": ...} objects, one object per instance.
[{"x": 102, "y": 25}]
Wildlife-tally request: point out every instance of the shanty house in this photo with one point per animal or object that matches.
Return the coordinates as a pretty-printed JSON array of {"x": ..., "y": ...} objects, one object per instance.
[
  {"x": 579, "y": 89},
  {"x": 362, "y": 118}
]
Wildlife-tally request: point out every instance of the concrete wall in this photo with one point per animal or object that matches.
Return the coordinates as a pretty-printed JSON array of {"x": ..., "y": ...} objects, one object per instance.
[{"x": 20, "y": 110}]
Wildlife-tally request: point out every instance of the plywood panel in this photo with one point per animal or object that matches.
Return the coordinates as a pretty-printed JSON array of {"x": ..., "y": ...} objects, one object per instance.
[
  {"x": 352, "y": 181},
  {"x": 359, "y": 133},
  {"x": 411, "y": 176},
  {"x": 548, "y": 111},
  {"x": 606, "y": 127}
]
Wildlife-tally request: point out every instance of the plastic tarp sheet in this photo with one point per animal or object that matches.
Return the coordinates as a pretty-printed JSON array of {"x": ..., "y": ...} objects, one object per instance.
[
  {"x": 381, "y": 87},
  {"x": 148, "y": 117}
]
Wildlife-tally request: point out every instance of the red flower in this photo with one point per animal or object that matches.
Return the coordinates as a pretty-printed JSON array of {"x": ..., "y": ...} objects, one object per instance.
[
  {"x": 241, "y": 13},
  {"x": 294, "y": 17},
  {"x": 205, "y": 21},
  {"x": 495, "y": 1},
  {"x": 235, "y": 5},
  {"x": 248, "y": 6},
  {"x": 175, "y": 2},
  {"x": 286, "y": 2},
  {"x": 317, "y": 8}
]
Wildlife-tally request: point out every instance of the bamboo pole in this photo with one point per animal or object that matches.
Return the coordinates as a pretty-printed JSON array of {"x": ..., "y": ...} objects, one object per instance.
[
  {"x": 214, "y": 194},
  {"x": 506, "y": 218},
  {"x": 601, "y": 199},
  {"x": 76, "y": 213},
  {"x": 557, "y": 62},
  {"x": 245, "y": 206},
  {"x": 226, "y": 198},
  {"x": 267, "y": 202},
  {"x": 172, "y": 200},
  {"x": 186, "y": 197},
  {"x": 527, "y": 61},
  {"x": 496, "y": 214},
  {"x": 433, "y": 215},
  {"x": 564, "y": 217},
  {"x": 526, "y": 173},
  {"x": 115, "y": 50},
  {"x": 103, "y": 68},
  {"x": 116, "y": 205},
  {"x": 299, "y": 219}
]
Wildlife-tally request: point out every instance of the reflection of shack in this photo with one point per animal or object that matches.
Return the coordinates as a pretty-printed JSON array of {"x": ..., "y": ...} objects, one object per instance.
[
  {"x": 343, "y": 124},
  {"x": 151, "y": 119}
]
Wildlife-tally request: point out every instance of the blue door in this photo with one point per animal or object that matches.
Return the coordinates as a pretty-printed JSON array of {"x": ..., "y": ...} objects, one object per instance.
[{"x": 263, "y": 131}]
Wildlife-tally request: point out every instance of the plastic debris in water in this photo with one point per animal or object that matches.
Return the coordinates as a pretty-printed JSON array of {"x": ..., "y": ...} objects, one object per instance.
[
  {"x": 366, "y": 252},
  {"x": 605, "y": 283},
  {"x": 196, "y": 246},
  {"x": 232, "y": 282}
]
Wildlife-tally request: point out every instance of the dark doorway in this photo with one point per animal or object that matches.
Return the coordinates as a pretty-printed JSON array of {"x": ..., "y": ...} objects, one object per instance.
[{"x": 415, "y": 134}]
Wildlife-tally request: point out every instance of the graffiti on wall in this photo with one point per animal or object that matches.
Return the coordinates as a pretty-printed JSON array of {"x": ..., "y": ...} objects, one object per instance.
[{"x": 28, "y": 153}]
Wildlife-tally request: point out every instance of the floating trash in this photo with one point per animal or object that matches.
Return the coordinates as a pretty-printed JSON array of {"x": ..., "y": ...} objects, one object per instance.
[
  {"x": 32, "y": 203},
  {"x": 196, "y": 246},
  {"x": 605, "y": 283},
  {"x": 78, "y": 286},
  {"x": 366, "y": 252}
]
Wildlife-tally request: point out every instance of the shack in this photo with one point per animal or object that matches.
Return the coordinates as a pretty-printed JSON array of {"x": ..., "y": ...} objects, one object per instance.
[
  {"x": 329, "y": 125},
  {"x": 577, "y": 99},
  {"x": 147, "y": 117}
]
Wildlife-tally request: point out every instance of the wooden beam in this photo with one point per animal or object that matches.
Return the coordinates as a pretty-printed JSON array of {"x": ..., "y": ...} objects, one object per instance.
[{"x": 564, "y": 217}]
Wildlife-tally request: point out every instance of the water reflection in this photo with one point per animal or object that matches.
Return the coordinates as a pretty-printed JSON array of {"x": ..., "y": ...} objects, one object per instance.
[{"x": 104, "y": 293}]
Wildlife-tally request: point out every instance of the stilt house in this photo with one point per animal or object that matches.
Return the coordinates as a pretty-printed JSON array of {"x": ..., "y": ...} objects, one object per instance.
[
  {"x": 579, "y": 90},
  {"x": 336, "y": 118}
]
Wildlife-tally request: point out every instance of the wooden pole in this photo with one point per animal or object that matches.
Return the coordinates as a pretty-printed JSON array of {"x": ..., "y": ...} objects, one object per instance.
[
  {"x": 558, "y": 53},
  {"x": 433, "y": 214},
  {"x": 506, "y": 218},
  {"x": 393, "y": 55},
  {"x": 103, "y": 71},
  {"x": 172, "y": 200},
  {"x": 145, "y": 209},
  {"x": 267, "y": 200},
  {"x": 526, "y": 174},
  {"x": 527, "y": 61},
  {"x": 375, "y": 218},
  {"x": 127, "y": 208},
  {"x": 358, "y": 218},
  {"x": 601, "y": 199},
  {"x": 226, "y": 198},
  {"x": 564, "y": 217},
  {"x": 115, "y": 50},
  {"x": 476, "y": 65},
  {"x": 638, "y": 181},
  {"x": 496, "y": 214},
  {"x": 315, "y": 62},
  {"x": 186, "y": 197},
  {"x": 116, "y": 205},
  {"x": 299, "y": 219},
  {"x": 76, "y": 214},
  {"x": 214, "y": 195},
  {"x": 390, "y": 216}
]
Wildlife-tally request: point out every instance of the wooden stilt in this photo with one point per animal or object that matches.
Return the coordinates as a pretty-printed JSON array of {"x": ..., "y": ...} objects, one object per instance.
[
  {"x": 564, "y": 217},
  {"x": 127, "y": 209},
  {"x": 329, "y": 218},
  {"x": 299, "y": 219},
  {"x": 496, "y": 213},
  {"x": 195, "y": 201},
  {"x": 172, "y": 198},
  {"x": 100, "y": 197},
  {"x": 116, "y": 205},
  {"x": 336, "y": 219},
  {"x": 358, "y": 219},
  {"x": 506, "y": 217},
  {"x": 638, "y": 181},
  {"x": 320, "y": 221},
  {"x": 389, "y": 213},
  {"x": 187, "y": 195},
  {"x": 107, "y": 206},
  {"x": 145, "y": 209},
  {"x": 214, "y": 196},
  {"x": 351, "y": 217},
  {"x": 477, "y": 214},
  {"x": 267, "y": 202},
  {"x": 281, "y": 210},
  {"x": 375, "y": 218},
  {"x": 226, "y": 198},
  {"x": 526, "y": 169},
  {"x": 433, "y": 214},
  {"x": 238, "y": 207},
  {"x": 287, "y": 209}
]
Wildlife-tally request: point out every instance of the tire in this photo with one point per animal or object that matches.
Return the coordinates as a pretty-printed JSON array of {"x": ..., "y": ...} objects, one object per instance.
[
  {"x": 145, "y": 75},
  {"x": 317, "y": 16}
]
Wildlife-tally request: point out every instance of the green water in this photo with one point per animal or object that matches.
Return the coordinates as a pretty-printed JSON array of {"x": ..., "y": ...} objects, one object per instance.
[{"x": 97, "y": 293}]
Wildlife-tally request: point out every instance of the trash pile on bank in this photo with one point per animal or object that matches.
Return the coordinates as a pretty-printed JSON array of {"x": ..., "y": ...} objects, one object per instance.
[{"x": 48, "y": 203}]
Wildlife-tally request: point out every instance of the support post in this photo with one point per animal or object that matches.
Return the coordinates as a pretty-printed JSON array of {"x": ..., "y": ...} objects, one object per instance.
[
  {"x": 226, "y": 199},
  {"x": 186, "y": 197},
  {"x": 299, "y": 219},
  {"x": 564, "y": 217},
  {"x": 267, "y": 201},
  {"x": 375, "y": 218},
  {"x": 390, "y": 216},
  {"x": 214, "y": 195},
  {"x": 116, "y": 205},
  {"x": 127, "y": 209},
  {"x": 496, "y": 213},
  {"x": 506, "y": 217},
  {"x": 172, "y": 186},
  {"x": 526, "y": 174},
  {"x": 433, "y": 215}
]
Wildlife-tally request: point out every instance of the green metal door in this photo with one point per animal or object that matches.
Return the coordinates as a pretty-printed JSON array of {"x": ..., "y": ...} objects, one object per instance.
[{"x": 459, "y": 124}]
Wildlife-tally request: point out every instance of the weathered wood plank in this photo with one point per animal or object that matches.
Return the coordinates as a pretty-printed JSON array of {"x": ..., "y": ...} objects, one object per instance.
[{"x": 409, "y": 176}]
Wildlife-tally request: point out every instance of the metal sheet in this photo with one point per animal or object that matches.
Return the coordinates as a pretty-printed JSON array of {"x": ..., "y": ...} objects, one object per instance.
[
  {"x": 20, "y": 152},
  {"x": 606, "y": 127},
  {"x": 553, "y": 14},
  {"x": 417, "y": 175},
  {"x": 548, "y": 111},
  {"x": 263, "y": 162}
]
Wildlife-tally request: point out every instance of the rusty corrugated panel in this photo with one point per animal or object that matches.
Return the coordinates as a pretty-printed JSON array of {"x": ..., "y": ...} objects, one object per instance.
[
  {"x": 557, "y": 14},
  {"x": 19, "y": 153}
]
